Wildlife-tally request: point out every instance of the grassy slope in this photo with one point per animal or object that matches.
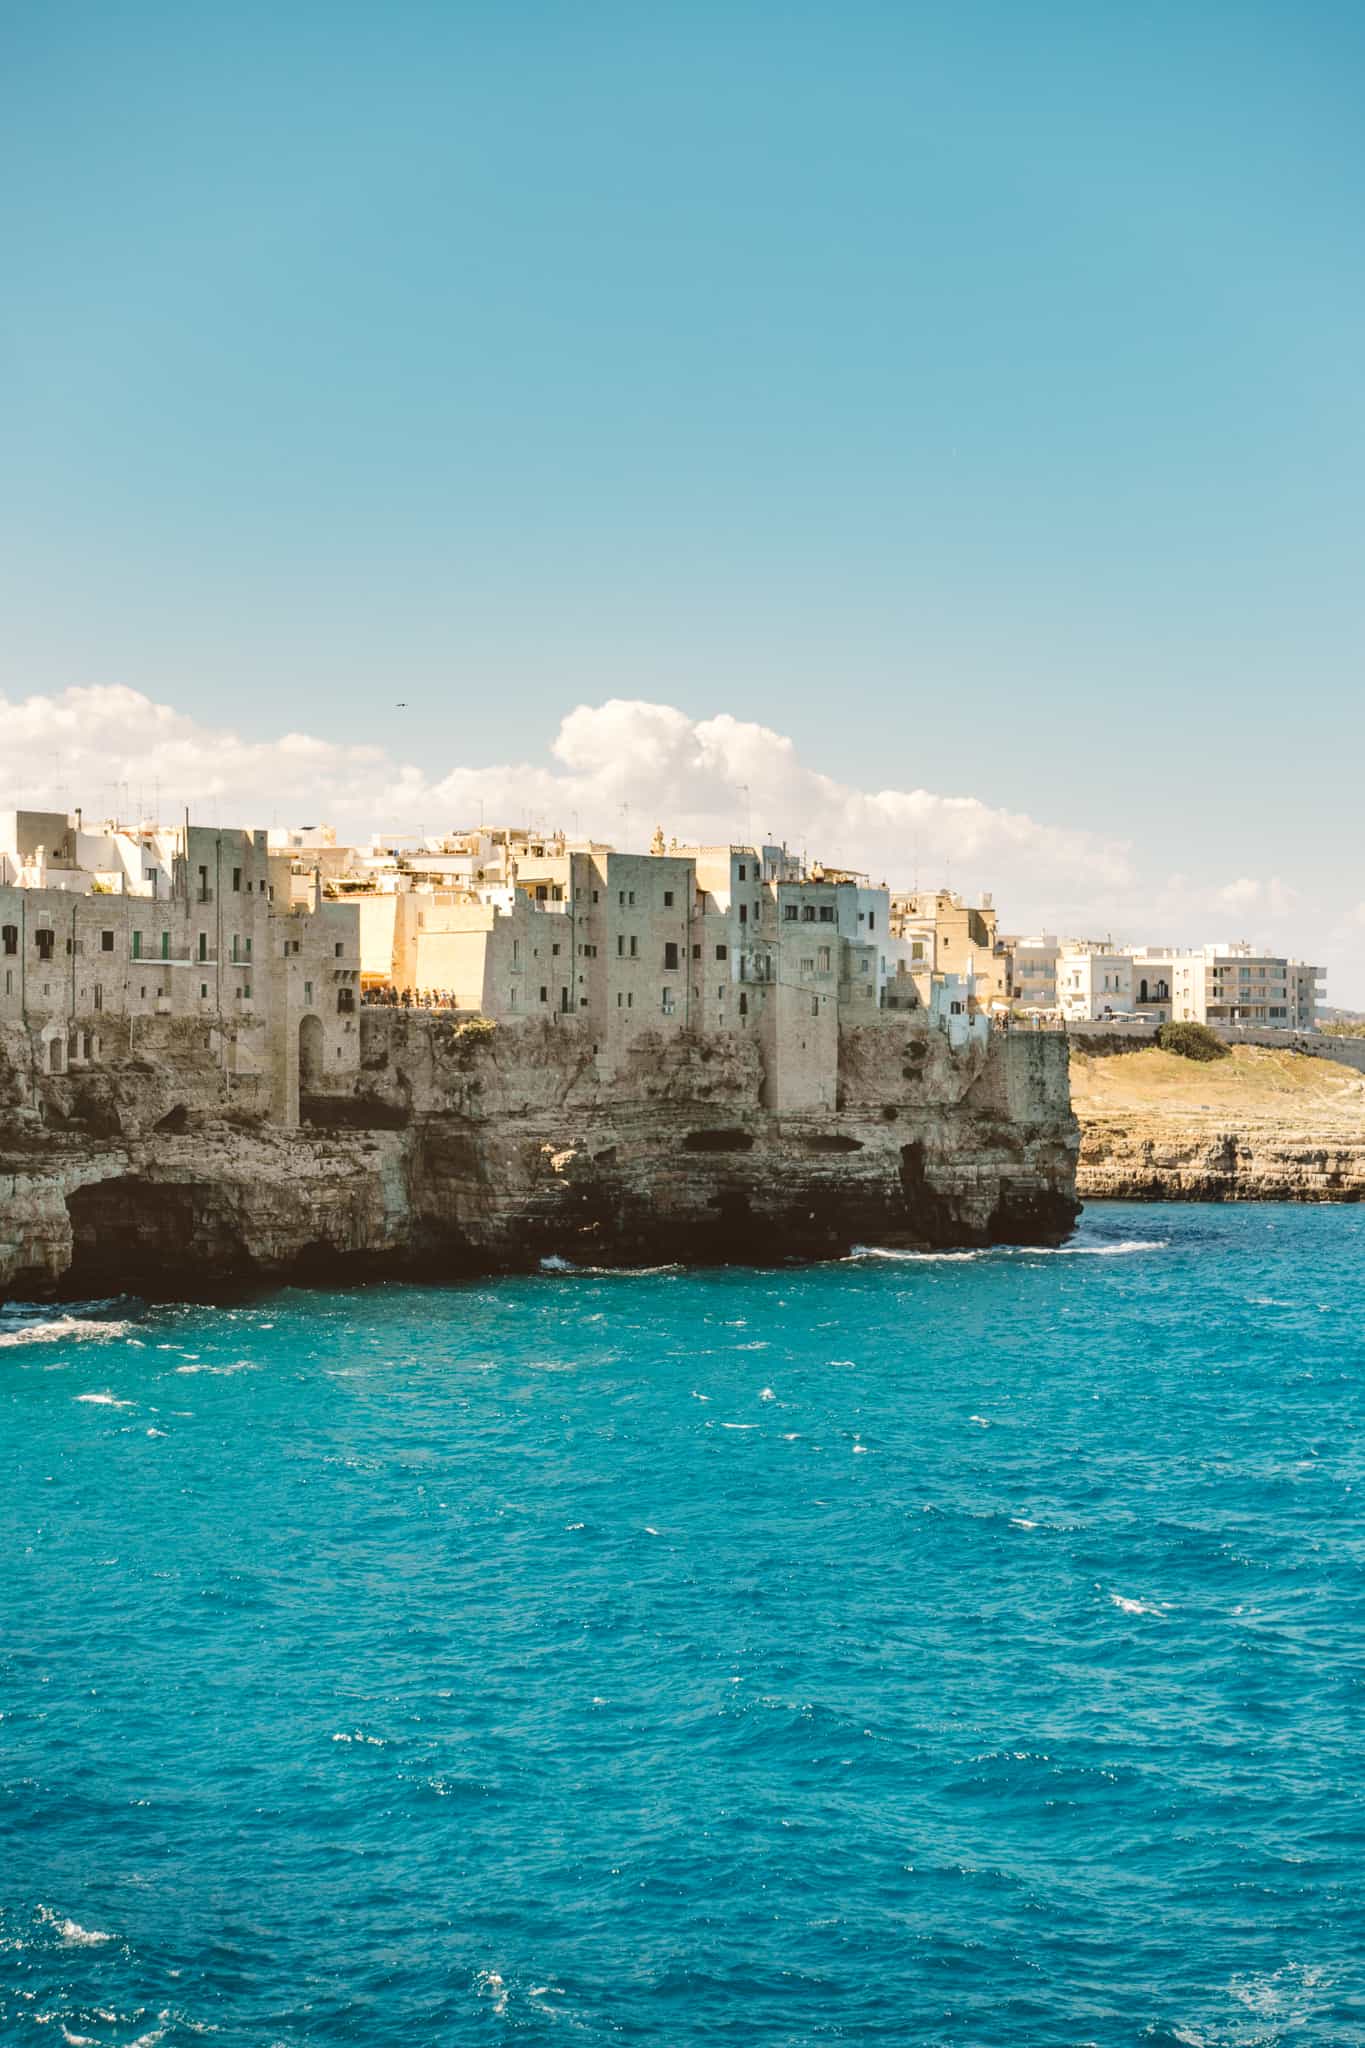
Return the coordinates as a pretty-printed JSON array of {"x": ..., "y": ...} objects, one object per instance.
[{"x": 1255, "y": 1085}]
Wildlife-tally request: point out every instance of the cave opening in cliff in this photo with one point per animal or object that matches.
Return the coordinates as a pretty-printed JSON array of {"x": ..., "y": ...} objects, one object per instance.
[{"x": 131, "y": 1235}]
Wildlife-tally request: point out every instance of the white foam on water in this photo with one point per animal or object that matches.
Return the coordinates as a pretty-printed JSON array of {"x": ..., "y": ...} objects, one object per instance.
[
  {"x": 71, "y": 1931},
  {"x": 739, "y": 1425},
  {"x": 62, "y": 1329},
  {"x": 1021, "y": 1522},
  {"x": 104, "y": 1400},
  {"x": 1126, "y": 1606},
  {"x": 77, "y": 2040},
  {"x": 490, "y": 1985},
  {"x": 860, "y": 1252},
  {"x": 369, "y": 1741},
  {"x": 554, "y": 1263},
  {"x": 1122, "y": 1248},
  {"x": 767, "y": 1394}
]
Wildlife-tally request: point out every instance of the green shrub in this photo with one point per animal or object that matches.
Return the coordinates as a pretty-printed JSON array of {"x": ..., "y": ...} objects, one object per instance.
[
  {"x": 473, "y": 1031},
  {"x": 1191, "y": 1041}
]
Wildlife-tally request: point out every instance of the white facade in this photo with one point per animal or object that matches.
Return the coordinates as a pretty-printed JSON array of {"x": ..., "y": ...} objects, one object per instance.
[{"x": 1227, "y": 984}]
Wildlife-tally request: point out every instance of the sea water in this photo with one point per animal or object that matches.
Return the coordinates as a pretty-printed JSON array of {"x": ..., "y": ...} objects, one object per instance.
[{"x": 908, "y": 1650}]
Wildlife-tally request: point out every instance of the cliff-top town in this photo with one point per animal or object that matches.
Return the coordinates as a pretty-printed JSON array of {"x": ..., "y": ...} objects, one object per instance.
[{"x": 276, "y": 937}]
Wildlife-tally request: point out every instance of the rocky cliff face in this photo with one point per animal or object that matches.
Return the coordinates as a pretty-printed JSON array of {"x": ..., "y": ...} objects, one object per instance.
[
  {"x": 1264, "y": 1125},
  {"x": 456, "y": 1153},
  {"x": 1153, "y": 1160}
]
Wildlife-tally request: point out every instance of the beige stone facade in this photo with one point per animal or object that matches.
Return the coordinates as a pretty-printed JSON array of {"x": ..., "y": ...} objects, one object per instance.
[
  {"x": 104, "y": 932},
  {"x": 945, "y": 935}
]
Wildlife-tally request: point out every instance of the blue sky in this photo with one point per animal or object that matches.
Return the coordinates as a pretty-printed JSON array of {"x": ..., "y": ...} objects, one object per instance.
[{"x": 972, "y": 393}]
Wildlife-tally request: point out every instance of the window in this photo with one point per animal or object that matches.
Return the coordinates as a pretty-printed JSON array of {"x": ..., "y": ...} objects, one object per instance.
[
  {"x": 634, "y": 946},
  {"x": 621, "y": 898},
  {"x": 236, "y": 881},
  {"x": 165, "y": 945},
  {"x": 545, "y": 995},
  {"x": 743, "y": 1004},
  {"x": 789, "y": 913},
  {"x": 696, "y": 952},
  {"x": 542, "y": 893},
  {"x": 872, "y": 920},
  {"x": 722, "y": 952},
  {"x": 44, "y": 940},
  {"x": 308, "y": 992},
  {"x": 106, "y": 942},
  {"x": 246, "y": 991},
  {"x": 620, "y": 946},
  {"x": 203, "y": 885},
  {"x": 808, "y": 963},
  {"x": 594, "y": 895},
  {"x": 340, "y": 948},
  {"x": 826, "y": 913},
  {"x": 99, "y": 996},
  {"x": 824, "y": 959},
  {"x": 666, "y": 1002},
  {"x": 630, "y": 898},
  {"x": 668, "y": 899},
  {"x": 808, "y": 913},
  {"x": 815, "y": 1006},
  {"x": 744, "y": 913},
  {"x": 670, "y": 954},
  {"x": 10, "y": 938},
  {"x": 203, "y": 989},
  {"x": 203, "y": 945},
  {"x": 555, "y": 950},
  {"x": 630, "y": 1000},
  {"x": 743, "y": 872}
]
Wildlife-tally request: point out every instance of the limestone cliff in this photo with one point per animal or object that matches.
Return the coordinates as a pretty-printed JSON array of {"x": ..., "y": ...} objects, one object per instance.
[
  {"x": 455, "y": 1152},
  {"x": 1262, "y": 1125}
]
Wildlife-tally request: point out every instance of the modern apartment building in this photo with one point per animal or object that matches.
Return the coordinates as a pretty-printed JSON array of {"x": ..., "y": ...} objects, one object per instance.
[{"x": 1226, "y": 984}]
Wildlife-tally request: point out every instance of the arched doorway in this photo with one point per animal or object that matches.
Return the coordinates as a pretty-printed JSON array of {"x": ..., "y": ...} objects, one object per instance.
[{"x": 312, "y": 1052}]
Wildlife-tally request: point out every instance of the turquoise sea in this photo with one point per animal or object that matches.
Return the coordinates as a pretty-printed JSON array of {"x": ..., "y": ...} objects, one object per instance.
[{"x": 966, "y": 1649}]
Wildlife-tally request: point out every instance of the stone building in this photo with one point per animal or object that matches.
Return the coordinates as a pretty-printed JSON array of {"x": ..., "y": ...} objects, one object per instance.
[
  {"x": 109, "y": 935},
  {"x": 947, "y": 936}
]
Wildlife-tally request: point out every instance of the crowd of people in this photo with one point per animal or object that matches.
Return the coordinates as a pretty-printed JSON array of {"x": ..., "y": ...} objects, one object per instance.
[{"x": 411, "y": 998}]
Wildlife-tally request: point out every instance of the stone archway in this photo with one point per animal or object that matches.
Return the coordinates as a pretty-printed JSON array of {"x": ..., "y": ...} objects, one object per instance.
[{"x": 312, "y": 1053}]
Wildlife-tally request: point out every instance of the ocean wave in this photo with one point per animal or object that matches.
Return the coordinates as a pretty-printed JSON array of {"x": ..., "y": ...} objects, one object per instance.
[
  {"x": 555, "y": 1264},
  {"x": 71, "y": 1931},
  {"x": 1121, "y": 1248},
  {"x": 1126, "y": 1606},
  {"x": 56, "y": 1329},
  {"x": 104, "y": 1400}
]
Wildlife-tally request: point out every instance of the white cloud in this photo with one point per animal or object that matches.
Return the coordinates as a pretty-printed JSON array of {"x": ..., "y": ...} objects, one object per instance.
[{"x": 619, "y": 768}]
